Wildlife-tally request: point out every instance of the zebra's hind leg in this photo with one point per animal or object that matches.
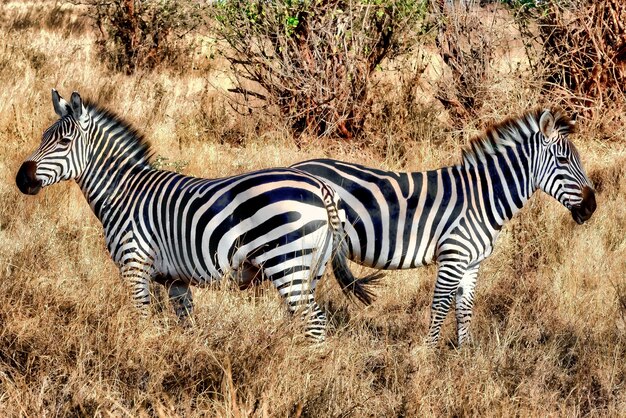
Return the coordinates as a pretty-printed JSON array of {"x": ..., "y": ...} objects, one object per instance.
[
  {"x": 316, "y": 321},
  {"x": 449, "y": 276},
  {"x": 181, "y": 298},
  {"x": 298, "y": 290},
  {"x": 295, "y": 271},
  {"x": 465, "y": 304}
]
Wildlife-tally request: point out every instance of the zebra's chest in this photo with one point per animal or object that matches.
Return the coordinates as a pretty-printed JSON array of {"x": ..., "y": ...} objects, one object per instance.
[
  {"x": 471, "y": 239},
  {"x": 167, "y": 253}
]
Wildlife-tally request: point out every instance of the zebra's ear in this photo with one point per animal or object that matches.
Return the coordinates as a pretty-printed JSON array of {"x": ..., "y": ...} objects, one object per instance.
[
  {"x": 546, "y": 124},
  {"x": 78, "y": 109},
  {"x": 572, "y": 120},
  {"x": 61, "y": 107}
]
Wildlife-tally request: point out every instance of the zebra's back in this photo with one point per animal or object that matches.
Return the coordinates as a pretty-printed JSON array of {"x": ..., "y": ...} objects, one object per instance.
[{"x": 394, "y": 219}]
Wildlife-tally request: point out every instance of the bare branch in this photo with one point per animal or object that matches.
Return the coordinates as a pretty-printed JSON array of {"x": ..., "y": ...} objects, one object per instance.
[
  {"x": 312, "y": 60},
  {"x": 247, "y": 92}
]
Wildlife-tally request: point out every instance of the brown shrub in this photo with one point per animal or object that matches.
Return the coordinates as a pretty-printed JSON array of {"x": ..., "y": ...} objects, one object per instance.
[
  {"x": 584, "y": 50},
  {"x": 144, "y": 34},
  {"x": 313, "y": 60}
]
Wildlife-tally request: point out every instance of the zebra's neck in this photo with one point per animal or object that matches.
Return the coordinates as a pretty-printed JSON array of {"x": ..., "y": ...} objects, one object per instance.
[
  {"x": 115, "y": 154},
  {"x": 502, "y": 180}
]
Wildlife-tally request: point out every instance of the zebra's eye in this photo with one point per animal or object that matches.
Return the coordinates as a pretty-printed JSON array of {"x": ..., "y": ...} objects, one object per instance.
[
  {"x": 65, "y": 140},
  {"x": 562, "y": 160}
]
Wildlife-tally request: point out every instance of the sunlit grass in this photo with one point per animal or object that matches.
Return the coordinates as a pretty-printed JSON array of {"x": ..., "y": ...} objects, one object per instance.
[{"x": 549, "y": 330}]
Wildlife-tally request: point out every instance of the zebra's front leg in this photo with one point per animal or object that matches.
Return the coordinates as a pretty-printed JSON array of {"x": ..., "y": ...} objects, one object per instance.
[
  {"x": 181, "y": 298},
  {"x": 138, "y": 274},
  {"x": 299, "y": 292},
  {"x": 449, "y": 275},
  {"x": 465, "y": 304}
]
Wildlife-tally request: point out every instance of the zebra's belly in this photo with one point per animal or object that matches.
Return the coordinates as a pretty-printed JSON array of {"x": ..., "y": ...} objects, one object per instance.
[
  {"x": 244, "y": 275},
  {"x": 391, "y": 255},
  {"x": 193, "y": 260},
  {"x": 202, "y": 254},
  {"x": 401, "y": 262},
  {"x": 192, "y": 273}
]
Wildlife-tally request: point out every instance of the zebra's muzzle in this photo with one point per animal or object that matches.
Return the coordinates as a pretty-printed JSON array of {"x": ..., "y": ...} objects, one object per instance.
[
  {"x": 584, "y": 211},
  {"x": 26, "y": 179}
]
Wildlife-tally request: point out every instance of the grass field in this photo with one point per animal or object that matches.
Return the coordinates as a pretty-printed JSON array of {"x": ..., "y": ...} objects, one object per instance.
[{"x": 550, "y": 319}]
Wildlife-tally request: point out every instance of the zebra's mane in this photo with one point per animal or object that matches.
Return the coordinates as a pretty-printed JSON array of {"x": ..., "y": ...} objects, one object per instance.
[
  {"x": 135, "y": 145},
  {"x": 511, "y": 132}
]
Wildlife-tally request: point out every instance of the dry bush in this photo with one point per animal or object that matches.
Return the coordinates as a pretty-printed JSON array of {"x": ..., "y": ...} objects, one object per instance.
[
  {"x": 577, "y": 51},
  {"x": 214, "y": 119},
  {"x": 466, "y": 41},
  {"x": 400, "y": 119},
  {"x": 584, "y": 50},
  {"x": 143, "y": 34},
  {"x": 313, "y": 60}
]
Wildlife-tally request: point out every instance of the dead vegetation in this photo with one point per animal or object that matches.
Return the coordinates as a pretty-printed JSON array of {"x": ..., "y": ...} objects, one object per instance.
[
  {"x": 313, "y": 61},
  {"x": 585, "y": 50},
  {"x": 550, "y": 318}
]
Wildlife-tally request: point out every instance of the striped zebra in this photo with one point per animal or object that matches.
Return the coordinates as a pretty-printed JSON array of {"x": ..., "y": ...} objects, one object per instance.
[
  {"x": 280, "y": 224},
  {"x": 453, "y": 215}
]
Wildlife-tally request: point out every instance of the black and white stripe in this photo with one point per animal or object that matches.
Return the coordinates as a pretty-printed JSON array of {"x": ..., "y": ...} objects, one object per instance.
[
  {"x": 280, "y": 224},
  {"x": 453, "y": 215}
]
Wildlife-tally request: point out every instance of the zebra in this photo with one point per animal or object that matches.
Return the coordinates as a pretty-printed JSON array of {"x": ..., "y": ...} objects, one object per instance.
[
  {"x": 278, "y": 224},
  {"x": 453, "y": 215}
]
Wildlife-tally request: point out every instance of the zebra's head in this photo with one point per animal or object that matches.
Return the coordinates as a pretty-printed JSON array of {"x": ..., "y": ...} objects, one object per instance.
[
  {"x": 62, "y": 154},
  {"x": 558, "y": 170}
]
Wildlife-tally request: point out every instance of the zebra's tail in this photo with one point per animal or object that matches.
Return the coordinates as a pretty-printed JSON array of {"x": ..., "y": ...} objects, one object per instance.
[{"x": 351, "y": 286}]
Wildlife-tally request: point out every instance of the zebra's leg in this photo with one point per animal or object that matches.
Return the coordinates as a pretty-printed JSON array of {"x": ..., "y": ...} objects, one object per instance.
[
  {"x": 449, "y": 275},
  {"x": 315, "y": 318},
  {"x": 138, "y": 274},
  {"x": 295, "y": 276},
  {"x": 298, "y": 289},
  {"x": 181, "y": 298},
  {"x": 465, "y": 303}
]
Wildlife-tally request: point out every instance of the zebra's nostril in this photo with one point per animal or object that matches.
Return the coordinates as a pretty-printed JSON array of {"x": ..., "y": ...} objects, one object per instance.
[
  {"x": 589, "y": 200},
  {"x": 26, "y": 179},
  {"x": 587, "y": 207}
]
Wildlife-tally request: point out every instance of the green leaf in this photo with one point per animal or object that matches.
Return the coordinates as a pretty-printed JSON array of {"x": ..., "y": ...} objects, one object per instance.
[{"x": 292, "y": 21}]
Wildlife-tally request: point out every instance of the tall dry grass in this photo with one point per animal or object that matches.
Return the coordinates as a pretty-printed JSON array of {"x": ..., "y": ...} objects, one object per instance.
[{"x": 550, "y": 317}]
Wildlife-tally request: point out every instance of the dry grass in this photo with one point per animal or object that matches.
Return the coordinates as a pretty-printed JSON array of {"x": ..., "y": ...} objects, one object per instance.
[{"x": 550, "y": 318}]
